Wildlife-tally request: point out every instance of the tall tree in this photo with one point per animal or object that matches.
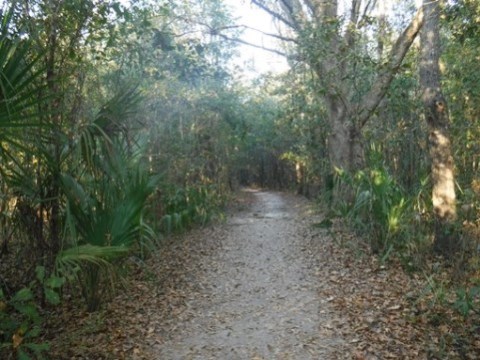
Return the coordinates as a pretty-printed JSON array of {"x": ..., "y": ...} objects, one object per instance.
[
  {"x": 331, "y": 47},
  {"x": 436, "y": 114},
  {"x": 58, "y": 31}
]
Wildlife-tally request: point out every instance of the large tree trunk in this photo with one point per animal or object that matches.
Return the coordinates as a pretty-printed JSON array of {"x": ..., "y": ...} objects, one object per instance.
[
  {"x": 328, "y": 48},
  {"x": 344, "y": 142},
  {"x": 436, "y": 114},
  {"x": 346, "y": 117}
]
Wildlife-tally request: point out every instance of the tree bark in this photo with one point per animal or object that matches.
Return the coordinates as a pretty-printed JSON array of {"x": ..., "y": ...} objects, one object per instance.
[
  {"x": 327, "y": 49},
  {"x": 436, "y": 114}
]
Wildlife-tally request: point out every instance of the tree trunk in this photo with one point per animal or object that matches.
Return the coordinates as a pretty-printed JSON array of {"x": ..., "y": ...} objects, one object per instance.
[
  {"x": 345, "y": 144},
  {"x": 55, "y": 121},
  {"x": 345, "y": 150},
  {"x": 436, "y": 114},
  {"x": 327, "y": 48}
]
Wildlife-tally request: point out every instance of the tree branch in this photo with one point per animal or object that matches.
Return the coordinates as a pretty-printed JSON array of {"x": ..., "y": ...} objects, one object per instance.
[
  {"x": 276, "y": 36},
  {"x": 310, "y": 6},
  {"x": 370, "y": 5},
  {"x": 352, "y": 25},
  {"x": 355, "y": 12},
  {"x": 296, "y": 12},
  {"x": 276, "y": 15},
  {"x": 217, "y": 31},
  {"x": 288, "y": 6},
  {"x": 371, "y": 100},
  {"x": 275, "y": 51}
]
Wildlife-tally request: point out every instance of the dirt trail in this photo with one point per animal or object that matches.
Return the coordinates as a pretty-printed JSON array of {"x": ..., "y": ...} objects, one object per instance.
[
  {"x": 257, "y": 291},
  {"x": 265, "y": 284}
]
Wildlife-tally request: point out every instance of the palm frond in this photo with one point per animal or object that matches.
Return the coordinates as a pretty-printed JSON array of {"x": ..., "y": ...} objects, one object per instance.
[
  {"x": 112, "y": 116},
  {"x": 19, "y": 88}
]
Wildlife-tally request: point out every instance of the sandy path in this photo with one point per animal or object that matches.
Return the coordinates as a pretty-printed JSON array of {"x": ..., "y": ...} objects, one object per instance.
[
  {"x": 257, "y": 291},
  {"x": 265, "y": 284}
]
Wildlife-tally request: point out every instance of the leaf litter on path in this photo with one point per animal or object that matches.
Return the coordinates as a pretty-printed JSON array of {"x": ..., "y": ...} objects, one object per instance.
[{"x": 266, "y": 284}]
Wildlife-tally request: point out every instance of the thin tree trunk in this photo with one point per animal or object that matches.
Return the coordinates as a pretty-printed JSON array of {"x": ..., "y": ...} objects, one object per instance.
[
  {"x": 55, "y": 118},
  {"x": 436, "y": 114}
]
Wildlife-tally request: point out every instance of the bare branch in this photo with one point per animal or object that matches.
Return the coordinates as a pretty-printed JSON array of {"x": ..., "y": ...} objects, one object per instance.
[
  {"x": 276, "y": 36},
  {"x": 352, "y": 26},
  {"x": 218, "y": 31},
  {"x": 275, "y": 51},
  {"x": 370, "y": 5},
  {"x": 288, "y": 7},
  {"x": 296, "y": 11},
  {"x": 273, "y": 13},
  {"x": 355, "y": 12},
  {"x": 310, "y": 6}
]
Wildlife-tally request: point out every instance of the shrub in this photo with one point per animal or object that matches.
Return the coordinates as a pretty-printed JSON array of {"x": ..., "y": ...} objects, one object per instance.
[{"x": 21, "y": 320}]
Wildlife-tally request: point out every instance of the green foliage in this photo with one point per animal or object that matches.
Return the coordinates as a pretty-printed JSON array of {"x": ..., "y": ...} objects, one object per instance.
[
  {"x": 468, "y": 300},
  {"x": 379, "y": 205},
  {"x": 277, "y": 133},
  {"x": 51, "y": 285},
  {"x": 80, "y": 158},
  {"x": 105, "y": 192},
  {"x": 20, "y": 318},
  {"x": 188, "y": 206},
  {"x": 436, "y": 291},
  {"x": 104, "y": 224},
  {"x": 19, "y": 95},
  {"x": 462, "y": 85},
  {"x": 81, "y": 182},
  {"x": 17, "y": 76}
]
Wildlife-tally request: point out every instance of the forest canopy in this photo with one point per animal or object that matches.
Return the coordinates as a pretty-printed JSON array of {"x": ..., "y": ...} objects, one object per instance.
[{"x": 125, "y": 122}]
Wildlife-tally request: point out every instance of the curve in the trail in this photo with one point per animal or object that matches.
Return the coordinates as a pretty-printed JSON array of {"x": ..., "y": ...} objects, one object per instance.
[{"x": 260, "y": 291}]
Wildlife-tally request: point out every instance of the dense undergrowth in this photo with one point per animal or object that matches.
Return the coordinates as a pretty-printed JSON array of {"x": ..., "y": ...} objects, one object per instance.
[
  {"x": 395, "y": 225},
  {"x": 93, "y": 269},
  {"x": 95, "y": 173},
  {"x": 121, "y": 126}
]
